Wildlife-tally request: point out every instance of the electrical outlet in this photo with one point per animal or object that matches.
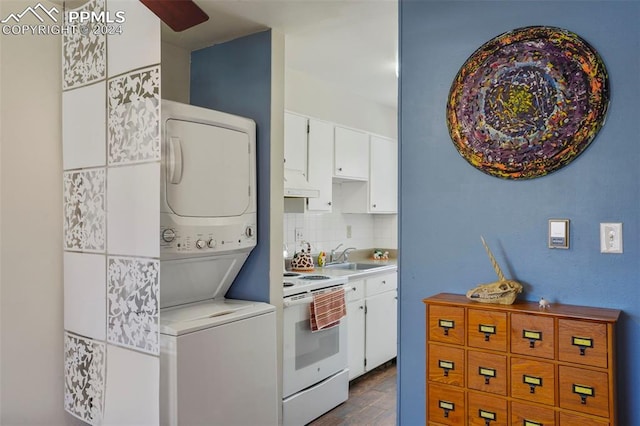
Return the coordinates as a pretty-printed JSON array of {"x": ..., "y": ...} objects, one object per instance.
[
  {"x": 299, "y": 234},
  {"x": 611, "y": 238},
  {"x": 348, "y": 231}
]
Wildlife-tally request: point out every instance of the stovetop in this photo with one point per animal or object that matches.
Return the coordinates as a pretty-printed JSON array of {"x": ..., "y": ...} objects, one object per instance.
[{"x": 296, "y": 283}]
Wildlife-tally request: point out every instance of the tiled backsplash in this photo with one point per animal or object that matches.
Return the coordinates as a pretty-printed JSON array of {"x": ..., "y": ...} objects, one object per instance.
[{"x": 324, "y": 231}]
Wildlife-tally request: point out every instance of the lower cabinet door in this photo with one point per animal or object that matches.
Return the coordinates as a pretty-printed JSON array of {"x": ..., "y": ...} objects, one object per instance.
[
  {"x": 531, "y": 415},
  {"x": 485, "y": 410},
  {"x": 445, "y": 405}
]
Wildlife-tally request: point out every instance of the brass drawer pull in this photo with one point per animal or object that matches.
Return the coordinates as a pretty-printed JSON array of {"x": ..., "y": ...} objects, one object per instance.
[
  {"x": 583, "y": 343},
  {"x": 526, "y": 422},
  {"x": 446, "y": 366},
  {"x": 532, "y": 381},
  {"x": 446, "y": 325},
  {"x": 447, "y": 407},
  {"x": 584, "y": 392},
  {"x": 532, "y": 336},
  {"x": 488, "y": 373},
  {"x": 488, "y": 330},
  {"x": 488, "y": 416}
]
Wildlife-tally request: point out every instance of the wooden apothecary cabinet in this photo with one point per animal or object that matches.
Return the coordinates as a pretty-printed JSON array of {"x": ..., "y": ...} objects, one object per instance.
[{"x": 519, "y": 364}]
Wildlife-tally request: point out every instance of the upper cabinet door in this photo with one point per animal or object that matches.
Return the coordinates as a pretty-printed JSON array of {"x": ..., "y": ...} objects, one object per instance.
[
  {"x": 351, "y": 156},
  {"x": 295, "y": 142},
  {"x": 320, "y": 164},
  {"x": 383, "y": 180}
]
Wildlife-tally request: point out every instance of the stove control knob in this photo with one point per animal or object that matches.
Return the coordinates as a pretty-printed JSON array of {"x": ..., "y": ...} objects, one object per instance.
[
  {"x": 201, "y": 244},
  {"x": 211, "y": 243},
  {"x": 168, "y": 235},
  {"x": 249, "y": 232}
]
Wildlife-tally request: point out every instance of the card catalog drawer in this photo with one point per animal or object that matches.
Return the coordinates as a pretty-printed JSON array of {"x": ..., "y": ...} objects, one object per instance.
[
  {"x": 484, "y": 410},
  {"x": 532, "y": 335},
  {"x": 487, "y": 372},
  {"x": 532, "y": 415},
  {"x": 487, "y": 330},
  {"x": 446, "y": 405},
  {"x": 584, "y": 390},
  {"x": 569, "y": 419},
  {"x": 583, "y": 342},
  {"x": 533, "y": 380},
  {"x": 446, "y": 324},
  {"x": 446, "y": 364}
]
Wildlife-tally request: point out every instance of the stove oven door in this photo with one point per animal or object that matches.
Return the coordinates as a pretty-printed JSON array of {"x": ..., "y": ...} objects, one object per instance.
[{"x": 310, "y": 357}]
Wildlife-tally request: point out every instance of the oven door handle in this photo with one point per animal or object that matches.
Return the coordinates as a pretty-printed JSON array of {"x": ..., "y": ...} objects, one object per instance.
[{"x": 308, "y": 299}]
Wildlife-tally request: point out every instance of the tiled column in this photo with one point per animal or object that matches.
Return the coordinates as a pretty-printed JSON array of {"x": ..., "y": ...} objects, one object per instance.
[{"x": 111, "y": 181}]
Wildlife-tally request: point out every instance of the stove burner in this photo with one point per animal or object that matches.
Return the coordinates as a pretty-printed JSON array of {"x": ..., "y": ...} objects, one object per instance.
[
  {"x": 314, "y": 277},
  {"x": 290, "y": 274},
  {"x": 288, "y": 284}
]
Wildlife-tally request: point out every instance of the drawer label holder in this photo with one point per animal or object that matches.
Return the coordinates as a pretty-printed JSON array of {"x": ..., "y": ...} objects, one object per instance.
[
  {"x": 584, "y": 392},
  {"x": 583, "y": 343},
  {"x": 526, "y": 422},
  {"x": 446, "y": 366},
  {"x": 532, "y": 381},
  {"x": 487, "y": 330},
  {"x": 532, "y": 336},
  {"x": 488, "y": 416},
  {"x": 447, "y": 407},
  {"x": 446, "y": 325},
  {"x": 487, "y": 373}
]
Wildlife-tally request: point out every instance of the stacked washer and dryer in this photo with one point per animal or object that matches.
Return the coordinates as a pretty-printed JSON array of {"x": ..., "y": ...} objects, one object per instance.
[{"x": 218, "y": 356}]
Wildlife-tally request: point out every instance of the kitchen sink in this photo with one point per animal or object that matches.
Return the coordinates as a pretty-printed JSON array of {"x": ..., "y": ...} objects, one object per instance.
[{"x": 349, "y": 266}]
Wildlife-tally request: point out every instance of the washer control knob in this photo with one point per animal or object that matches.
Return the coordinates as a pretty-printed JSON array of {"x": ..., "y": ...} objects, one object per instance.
[
  {"x": 249, "y": 232},
  {"x": 168, "y": 235},
  {"x": 201, "y": 244},
  {"x": 211, "y": 243}
]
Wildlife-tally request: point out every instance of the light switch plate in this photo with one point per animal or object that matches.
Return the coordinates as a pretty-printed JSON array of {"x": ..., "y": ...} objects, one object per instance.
[{"x": 611, "y": 238}]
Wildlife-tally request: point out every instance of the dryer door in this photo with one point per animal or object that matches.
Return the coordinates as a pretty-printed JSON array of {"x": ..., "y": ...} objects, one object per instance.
[{"x": 207, "y": 169}]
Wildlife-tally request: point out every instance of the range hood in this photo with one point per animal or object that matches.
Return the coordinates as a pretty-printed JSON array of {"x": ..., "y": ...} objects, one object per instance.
[{"x": 296, "y": 185}]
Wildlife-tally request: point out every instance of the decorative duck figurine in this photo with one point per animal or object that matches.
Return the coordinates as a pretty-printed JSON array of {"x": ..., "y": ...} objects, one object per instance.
[{"x": 302, "y": 261}]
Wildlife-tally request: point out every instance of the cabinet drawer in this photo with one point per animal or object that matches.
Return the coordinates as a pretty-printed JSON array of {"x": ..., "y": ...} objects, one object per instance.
[
  {"x": 568, "y": 419},
  {"x": 487, "y": 330},
  {"x": 583, "y": 342},
  {"x": 532, "y": 335},
  {"x": 358, "y": 291},
  {"x": 377, "y": 285},
  {"x": 584, "y": 390},
  {"x": 446, "y": 364},
  {"x": 484, "y": 410},
  {"x": 446, "y": 405},
  {"x": 533, "y": 380},
  {"x": 487, "y": 372},
  {"x": 446, "y": 324},
  {"x": 531, "y": 415}
]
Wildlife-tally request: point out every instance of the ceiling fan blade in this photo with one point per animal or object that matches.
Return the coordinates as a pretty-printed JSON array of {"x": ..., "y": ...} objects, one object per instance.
[{"x": 179, "y": 15}]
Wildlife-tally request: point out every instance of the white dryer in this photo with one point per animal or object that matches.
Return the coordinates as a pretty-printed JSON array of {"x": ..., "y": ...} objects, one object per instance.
[{"x": 217, "y": 356}]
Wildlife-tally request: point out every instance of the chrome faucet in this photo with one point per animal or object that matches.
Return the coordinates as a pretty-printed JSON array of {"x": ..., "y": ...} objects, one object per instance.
[
  {"x": 332, "y": 255},
  {"x": 344, "y": 256}
]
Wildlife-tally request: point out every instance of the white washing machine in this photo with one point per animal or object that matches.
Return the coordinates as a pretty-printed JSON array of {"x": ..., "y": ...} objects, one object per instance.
[{"x": 218, "y": 356}]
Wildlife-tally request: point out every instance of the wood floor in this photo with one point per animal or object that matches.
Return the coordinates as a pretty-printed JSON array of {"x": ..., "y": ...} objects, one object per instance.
[{"x": 372, "y": 401}]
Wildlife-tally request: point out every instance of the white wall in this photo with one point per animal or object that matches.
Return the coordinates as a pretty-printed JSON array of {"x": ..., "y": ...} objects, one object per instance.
[
  {"x": 31, "y": 336},
  {"x": 175, "y": 73},
  {"x": 310, "y": 96}
]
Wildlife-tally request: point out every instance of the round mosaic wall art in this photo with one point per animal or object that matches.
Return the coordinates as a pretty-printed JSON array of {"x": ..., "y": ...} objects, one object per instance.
[{"x": 528, "y": 102}]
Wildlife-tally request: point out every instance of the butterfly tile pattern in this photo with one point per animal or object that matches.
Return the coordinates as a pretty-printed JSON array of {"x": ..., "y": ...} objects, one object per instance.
[
  {"x": 84, "y": 367},
  {"x": 134, "y": 117},
  {"x": 84, "y": 54},
  {"x": 133, "y": 288},
  {"x": 84, "y": 210}
]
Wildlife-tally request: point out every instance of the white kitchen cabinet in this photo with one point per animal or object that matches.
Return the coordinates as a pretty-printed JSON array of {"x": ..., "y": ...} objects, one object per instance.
[
  {"x": 351, "y": 154},
  {"x": 320, "y": 161},
  {"x": 355, "y": 329},
  {"x": 380, "y": 193},
  {"x": 373, "y": 335},
  {"x": 295, "y": 142}
]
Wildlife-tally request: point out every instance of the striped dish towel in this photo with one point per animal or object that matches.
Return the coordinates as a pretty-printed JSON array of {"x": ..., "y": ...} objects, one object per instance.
[{"x": 327, "y": 309}]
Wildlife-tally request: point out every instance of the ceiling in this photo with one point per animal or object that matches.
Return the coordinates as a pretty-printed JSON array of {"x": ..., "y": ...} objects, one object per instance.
[{"x": 351, "y": 44}]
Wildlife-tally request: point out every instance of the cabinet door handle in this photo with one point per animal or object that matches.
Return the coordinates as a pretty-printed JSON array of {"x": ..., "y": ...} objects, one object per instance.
[
  {"x": 375, "y": 205},
  {"x": 339, "y": 169},
  {"x": 329, "y": 203}
]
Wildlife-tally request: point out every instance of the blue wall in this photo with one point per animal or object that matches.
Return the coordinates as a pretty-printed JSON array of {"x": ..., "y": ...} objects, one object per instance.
[
  {"x": 235, "y": 77},
  {"x": 446, "y": 204}
]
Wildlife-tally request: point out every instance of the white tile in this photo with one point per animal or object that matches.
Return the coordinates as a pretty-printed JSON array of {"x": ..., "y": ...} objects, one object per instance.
[
  {"x": 85, "y": 294},
  {"x": 139, "y": 44},
  {"x": 132, "y": 394},
  {"x": 84, "y": 127},
  {"x": 133, "y": 210}
]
